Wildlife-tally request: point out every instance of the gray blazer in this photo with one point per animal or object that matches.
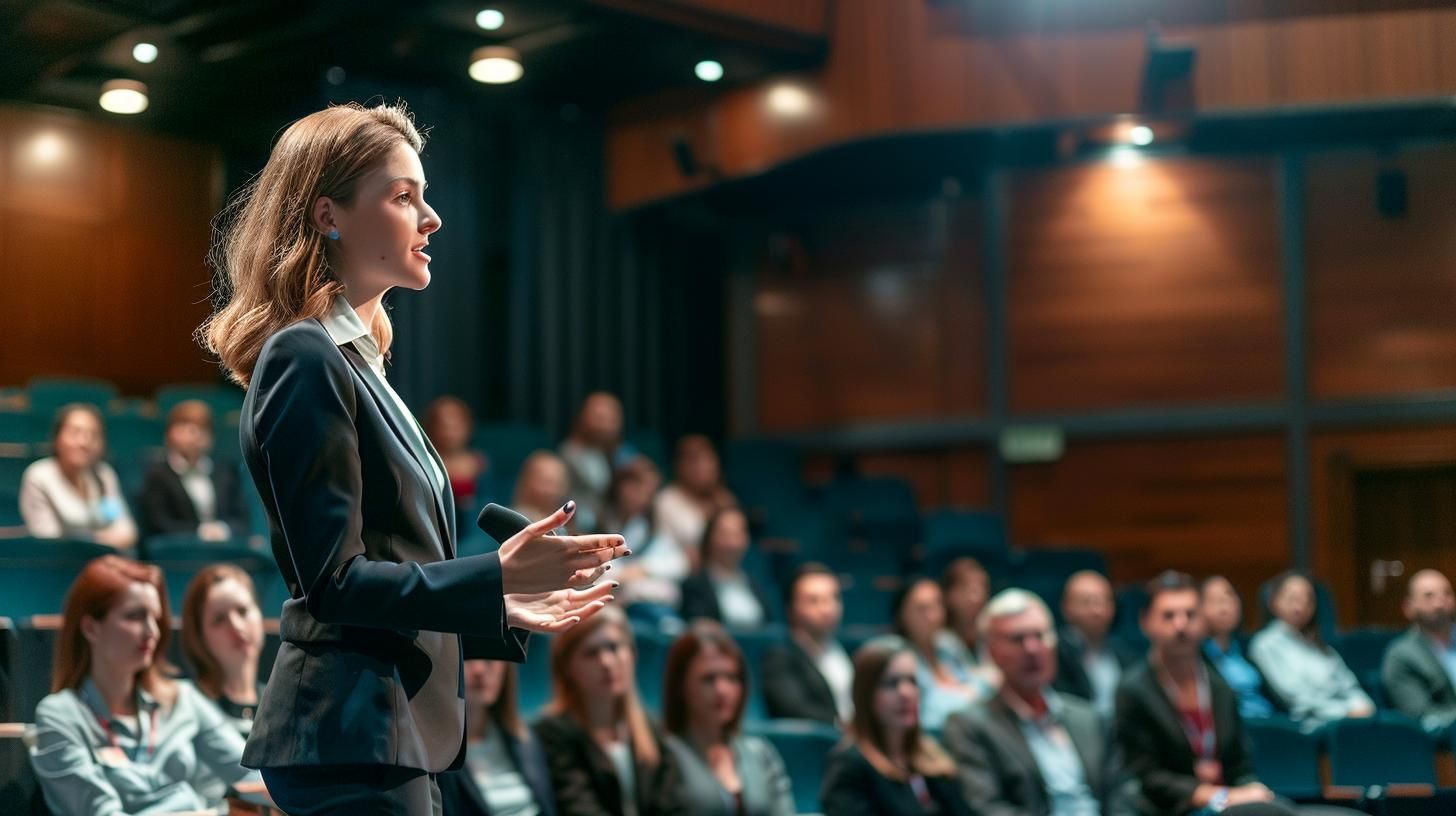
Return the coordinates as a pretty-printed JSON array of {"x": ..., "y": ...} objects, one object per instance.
[
  {"x": 766, "y": 787},
  {"x": 998, "y": 773},
  {"x": 1416, "y": 683}
]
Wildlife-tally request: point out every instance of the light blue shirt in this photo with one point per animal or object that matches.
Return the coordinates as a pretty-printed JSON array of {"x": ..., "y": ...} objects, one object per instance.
[
  {"x": 1056, "y": 757},
  {"x": 1311, "y": 677},
  {"x": 938, "y": 702},
  {"x": 1446, "y": 655},
  {"x": 1242, "y": 677}
]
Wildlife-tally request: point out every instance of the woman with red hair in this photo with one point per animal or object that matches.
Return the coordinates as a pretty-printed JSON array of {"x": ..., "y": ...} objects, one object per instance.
[{"x": 118, "y": 734}]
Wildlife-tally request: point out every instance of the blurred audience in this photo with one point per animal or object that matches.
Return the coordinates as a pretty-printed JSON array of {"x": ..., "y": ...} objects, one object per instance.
[
  {"x": 809, "y": 677},
  {"x": 1090, "y": 660},
  {"x": 1420, "y": 666},
  {"x": 449, "y": 425},
  {"x": 505, "y": 771},
  {"x": 1307, "y": 674},
  {"x": 888, "y": 766},
  {"x": 696, "y": 493},
  {"x": 652, "y": 576},
  {"x": 946, "y": 684},
  {"x": 222, "y": 639},
  {"x": 1029, "y": 750},
  {"x": 1223, "y": 614},
  {"x": 185, "y": 491},
  {"x": 966, "y": 587},
  {"x": 605, "y": 755},
  {"x": 118, "y": 734},
  {"x": 73, "y": 493},
  {"x": 541, "y": 487},
  {"x": 590, "y": 453},
  {"x": 720, "y": 590},
  {"x": 725, "y": 772}
]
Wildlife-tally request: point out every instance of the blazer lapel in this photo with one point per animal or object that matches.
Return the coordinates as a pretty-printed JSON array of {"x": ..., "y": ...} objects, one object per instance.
[
  {"x": 1430, "y": 664},
  {"x": 1016, "y": 741},
  {"x": 1085, "y": 735}
]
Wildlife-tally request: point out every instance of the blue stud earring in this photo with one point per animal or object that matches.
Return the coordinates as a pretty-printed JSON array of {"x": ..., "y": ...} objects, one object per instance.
[{"x": 333, "y": 235}]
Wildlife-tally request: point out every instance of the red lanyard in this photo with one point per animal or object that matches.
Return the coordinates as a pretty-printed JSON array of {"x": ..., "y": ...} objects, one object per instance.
[
  {"x": 111, "y": 736},
  {"x": 1199, "y": 728}
]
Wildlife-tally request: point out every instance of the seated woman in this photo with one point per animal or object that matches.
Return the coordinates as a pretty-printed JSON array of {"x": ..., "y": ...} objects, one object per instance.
[
  {"x": 946, "y": 684},
  {"x": 448, "y": 424},
  {"x": 725, "y": 772},
  {"x": 696, "y": 493},
  {"x": 606, "y": 757},
  {"x": 505, "y": 770},
  {"x": 222, "y": 639},
  {"x": 1300, "y": 667},
  {"x": 73, "y": 494},
  {"x": 720, "y": 590},
  {"x": 1224, "y": 648},
  {"x": 889, "y": 766},
  {"x": 117, "y": 734},
  {"x": 652, "y": 575}
]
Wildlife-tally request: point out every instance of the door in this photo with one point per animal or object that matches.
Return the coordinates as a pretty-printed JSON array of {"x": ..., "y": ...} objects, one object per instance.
[{"x": 1404, "y": 521}]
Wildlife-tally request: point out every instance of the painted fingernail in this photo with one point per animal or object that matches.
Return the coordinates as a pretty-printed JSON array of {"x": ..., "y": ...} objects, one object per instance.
[
  {"x": 607, "y": 568},
  {"x": 569, "y": 506},
  {"x": 626, "y": 552},
  {"x": 616, "y": 584}
]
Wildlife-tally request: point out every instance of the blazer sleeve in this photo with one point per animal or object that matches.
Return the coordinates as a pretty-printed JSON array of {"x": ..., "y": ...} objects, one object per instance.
[
  {"x": 779, "y": 787},
  {"x": 975, "y": 773},
  {"x": 848, "y": 788},
  {"x": 69, "y": 775},
  {"x": 39, "y": 515},
  {"x": 304, "y": 429},
  {"x": 1137, "y": 739}
]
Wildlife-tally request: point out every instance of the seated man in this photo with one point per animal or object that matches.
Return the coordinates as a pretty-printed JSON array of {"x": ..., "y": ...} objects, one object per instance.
[
  {"x": 1029, "y": 751},
  {"x": 1090, "y": 661},
  {"x": 809, "y": 677},
  {"x": 1420, "y": 666},
  {"x": 185, "y": 491}
]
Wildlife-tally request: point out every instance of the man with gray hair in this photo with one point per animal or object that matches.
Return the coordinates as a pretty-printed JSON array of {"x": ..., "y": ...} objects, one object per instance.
[{"x": 1029, "y": 751}]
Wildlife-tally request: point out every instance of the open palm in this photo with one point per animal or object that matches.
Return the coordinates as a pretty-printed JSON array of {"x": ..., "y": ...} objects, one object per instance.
[{"x": 551, "y": 612}]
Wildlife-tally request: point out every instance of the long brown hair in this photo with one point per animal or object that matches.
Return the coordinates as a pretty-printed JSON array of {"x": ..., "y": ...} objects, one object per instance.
[
  {"x": 206, "y": 671},
  {"x": 93, "y": 594},
  {"x": 272, "y": 265},
  {"x": 922, "y": 754},
  {"x": 569, "y": 700},
  {"x": 701, "y": 636}
]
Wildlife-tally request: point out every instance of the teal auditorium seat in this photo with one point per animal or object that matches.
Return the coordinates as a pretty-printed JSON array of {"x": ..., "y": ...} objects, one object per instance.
[
  {"x": 1285, "y": 758},
  {"x": 507, "y": 445},
  {"x": 223, "y": 399},
  {"x": 1383, "y": 750},
  {"x": 650, "y": 443},
  {"x": 1364, "y": 651},
  {"x": 49, "y": 393},
  {"x": 183, "y": 555},
  {"x": 881, "y": 508},
  {"x": 651, "y": 663},
  {"x": 754, "y": 644},
  {"x": 767, "y": 478},
  {"x": 1045, "y": 572},
  {"x": 24, "y": 428},
  {"x": 36, "y": 572},
  {"x": 954, "y": 533},
  {"x": 804, "y": 746},
  {"x": 534, "y": 677}
]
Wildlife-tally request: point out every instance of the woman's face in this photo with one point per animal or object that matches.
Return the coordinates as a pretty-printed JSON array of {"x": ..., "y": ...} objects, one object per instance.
[
  {"x": 897, "y": 698},
  {"x": 730, "y": 539},
  {"x": 968, "y": 596},
  {"x": 923, "y": 614},
  {"x": 1294, "y": 603},
  {"x": 697, "y": 467},
  {"x": 451, "y": 429},
  {"x": 714, "y": 688},
  {"x": 634, "y": 495},
  {"x": 483, "y": 681},
  {"x": 126, "y": 639},
  {"x": 602, "y": 664},
  {"x": 79, "y": 442},
  {"x": 545, "y": 483},
  {"x": 1222, "y": 609},
  {"x": 232, "y": 626},
  {"x": 384, "y": 230}
]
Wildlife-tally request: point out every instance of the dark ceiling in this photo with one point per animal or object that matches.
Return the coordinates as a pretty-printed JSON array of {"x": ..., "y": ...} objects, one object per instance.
[{"x": 227, "y": 70}]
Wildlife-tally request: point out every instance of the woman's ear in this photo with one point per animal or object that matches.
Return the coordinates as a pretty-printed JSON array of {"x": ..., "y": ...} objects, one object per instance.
[
  {"x": 322, "y": 217},
  {"x": 90, "y": 629}
]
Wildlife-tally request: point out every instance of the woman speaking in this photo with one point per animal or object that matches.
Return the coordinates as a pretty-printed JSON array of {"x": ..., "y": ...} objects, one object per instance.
[{"x": 365, "y": 702}]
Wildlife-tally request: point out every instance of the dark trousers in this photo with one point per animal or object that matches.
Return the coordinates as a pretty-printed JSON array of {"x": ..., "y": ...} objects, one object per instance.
[{"x": 367, "y": 790}]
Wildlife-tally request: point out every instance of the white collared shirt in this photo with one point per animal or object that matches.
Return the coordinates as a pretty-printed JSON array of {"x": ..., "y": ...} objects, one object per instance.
[
  {"x": 197, "y": 481},
  {"x": 344, "y": 326}
]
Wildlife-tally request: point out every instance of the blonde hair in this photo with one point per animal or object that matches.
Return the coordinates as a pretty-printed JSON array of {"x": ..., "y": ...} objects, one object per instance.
[{"x": 273, "y": 268}]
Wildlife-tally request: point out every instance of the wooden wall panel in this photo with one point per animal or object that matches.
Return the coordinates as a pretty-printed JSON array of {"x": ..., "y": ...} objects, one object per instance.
[
  {"x": 1149, "y": 285},
  {"x": 1199, "y": 505},
  {"x": 955, "y": 477},
  {"x": 1382, "y": 291},
  {"x": 800, "y": 16},
  {"x": 105, "y": 233}
]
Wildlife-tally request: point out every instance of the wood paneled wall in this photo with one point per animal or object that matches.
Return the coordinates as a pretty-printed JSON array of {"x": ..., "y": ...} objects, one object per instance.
[
  {"x": 801, "y": 16},
  {"x": 910, "y": 65},
  {"x": 104, "y": 232}
]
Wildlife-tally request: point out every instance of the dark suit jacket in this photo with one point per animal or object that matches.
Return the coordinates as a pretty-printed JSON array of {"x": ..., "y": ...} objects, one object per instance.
[
  {"x": 793, "y": 686},
  {"x": 586, "y": 784},
  {"x": 460, "y": 796},
  {"x": 1071, "y": 676},
  {"x": 998, "y": 773},
  {"x": 166, "y": 506},
  {"x": 1155, "y": 747},
  {"x": 700, "y": 601},
  {"x": 371, "y": 668},
  {"x": 852, "y": 787},
  {"x": 1415, "y": 682}
]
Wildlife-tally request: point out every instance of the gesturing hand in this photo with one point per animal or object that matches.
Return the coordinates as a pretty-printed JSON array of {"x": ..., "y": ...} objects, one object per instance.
[
  {"x": 551, "y": 612},
  {"x": 534, "y": 561}
]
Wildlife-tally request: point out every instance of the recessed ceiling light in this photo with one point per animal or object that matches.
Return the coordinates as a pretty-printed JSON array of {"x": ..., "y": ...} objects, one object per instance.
[
  {"x": 1141, "y": 135},
  {"x": 709, "y": 70},
  {"x": 144, "y": 52},
  {"x": 490, "y": 19},
  {"x": 495, "y": 65},
  {"x": 125, "y": 96},
  {"x": 790, "y": 101}
]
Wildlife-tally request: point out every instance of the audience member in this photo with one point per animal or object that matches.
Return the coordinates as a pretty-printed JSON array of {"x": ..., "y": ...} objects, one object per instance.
[
  {"x": 1090, "y": 661},
  {"x": 505, "y": 771},
  {"x": 809, "y": 677},
  {"x": 1029, "y": 751},
  {"x": 541, "y": 486},
  {"x": 590, "y": 453},
  {"x": 605, "y": 755},
  {"x": 720, "y": 590},
  {"x": 73, "y": 494},
  {"x": 449, "y": 425},
  {"x": 697, "y": 492},
  {"x": 966, "y": 588},
  {"x": 1420, "y": 666},
  {"x": 946, "y": 684},
  {"x": 117, "y": 734},
  {"x": 652, "y": 576},
  {"x": 1223, "y": 614},
  {"x": 888, "y": 766},
  {"x": 1308, "y": 675},
  {"x": 185, "y": 491},
  {"x": 222, "y": 639},
  {"x": 725, "y": 772}
]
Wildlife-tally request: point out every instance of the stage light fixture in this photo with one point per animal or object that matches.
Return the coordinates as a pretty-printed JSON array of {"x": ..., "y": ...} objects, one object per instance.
[
  {"x": 125, "y": 96},
  {"x": 496, "y": 65},
  {"x": 144, "y": 52},
  {"x": 709, "y": 70},
  {"x": 490, "y": 19},
  {"x": 1141, "y": 135}
]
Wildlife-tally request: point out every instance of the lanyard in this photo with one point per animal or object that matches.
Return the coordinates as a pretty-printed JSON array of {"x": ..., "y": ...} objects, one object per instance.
[
  {"x": 1202, "y": 736},
  {"x": 151, "y": 729}
]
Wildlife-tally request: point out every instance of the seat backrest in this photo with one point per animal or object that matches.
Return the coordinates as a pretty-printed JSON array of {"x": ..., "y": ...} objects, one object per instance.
[
  {"x": 1383, "y": 750},
  {"x": 1286, "y": 759},
  {"x": 804, "y": 746}
]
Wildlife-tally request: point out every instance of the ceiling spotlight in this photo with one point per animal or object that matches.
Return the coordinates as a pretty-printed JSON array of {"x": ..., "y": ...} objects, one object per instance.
[
  {"x": 1141, "y": 135},
  {"x": 123, "y": 96},
  {"x": 709, "y": 70},
  {"x": 495, "y": 65},
  {"x": 47, "y": 148},
  {"x": 490, "y": 19},
  {"x": 144, "y": 52},
  {"x": 790, "y": 101}
]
